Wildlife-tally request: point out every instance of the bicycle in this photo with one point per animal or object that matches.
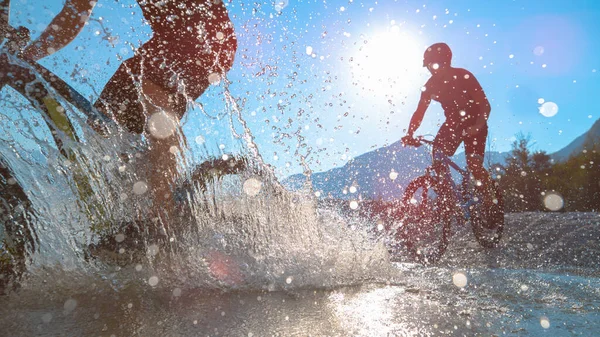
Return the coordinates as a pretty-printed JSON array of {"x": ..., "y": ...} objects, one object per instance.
[{"x": 432, "y": 204}]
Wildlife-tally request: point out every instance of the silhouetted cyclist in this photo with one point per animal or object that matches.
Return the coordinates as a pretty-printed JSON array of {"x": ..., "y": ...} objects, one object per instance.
[
  {"x": 466, "y": 109},
  {"x": 193, "y": 43}
]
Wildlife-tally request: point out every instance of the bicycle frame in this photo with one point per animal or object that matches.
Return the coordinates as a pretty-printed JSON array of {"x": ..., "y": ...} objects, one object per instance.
[
  {"x": 463, "y": 201},
  {"x": 45, "y": 91}
]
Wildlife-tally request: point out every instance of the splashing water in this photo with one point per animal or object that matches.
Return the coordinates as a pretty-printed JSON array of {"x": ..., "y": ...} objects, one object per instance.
[{"x": 244, "y": 231}]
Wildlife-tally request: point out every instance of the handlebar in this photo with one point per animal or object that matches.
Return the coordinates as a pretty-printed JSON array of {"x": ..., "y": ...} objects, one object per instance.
[{"x": 415, "y": 141}]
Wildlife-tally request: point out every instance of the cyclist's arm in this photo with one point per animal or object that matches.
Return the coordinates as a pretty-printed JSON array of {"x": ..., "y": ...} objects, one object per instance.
[
  {"x": 62, "y": 30},
  {"x": 418, "y": 115}
]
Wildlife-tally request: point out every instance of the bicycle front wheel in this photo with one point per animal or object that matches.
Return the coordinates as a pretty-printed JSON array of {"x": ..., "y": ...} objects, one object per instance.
[{"x": 424, "y": 228}]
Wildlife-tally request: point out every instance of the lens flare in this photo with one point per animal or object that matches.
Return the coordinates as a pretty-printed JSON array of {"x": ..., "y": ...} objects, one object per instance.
[
  {"x": 459, "y": 280},
  {"x": 553, "y": 201},
  {"x": 549, "y": 109}
]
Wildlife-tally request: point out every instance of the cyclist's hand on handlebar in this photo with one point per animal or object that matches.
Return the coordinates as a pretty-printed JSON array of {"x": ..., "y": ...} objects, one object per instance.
[{"x": 409, "y": 140}]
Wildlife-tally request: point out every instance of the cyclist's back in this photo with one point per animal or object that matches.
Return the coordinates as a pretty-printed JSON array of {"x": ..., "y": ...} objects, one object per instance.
[{"x": 452, "y": 88}]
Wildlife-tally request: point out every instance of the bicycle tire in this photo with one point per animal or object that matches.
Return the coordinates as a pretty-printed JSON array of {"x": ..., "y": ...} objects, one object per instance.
[
  {"x": 421, "y": 215},
  {"x": 489, "y": 236}
]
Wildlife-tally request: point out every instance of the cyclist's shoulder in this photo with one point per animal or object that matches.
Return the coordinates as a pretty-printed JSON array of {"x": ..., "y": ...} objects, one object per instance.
[{"x": 461, "y": 73}]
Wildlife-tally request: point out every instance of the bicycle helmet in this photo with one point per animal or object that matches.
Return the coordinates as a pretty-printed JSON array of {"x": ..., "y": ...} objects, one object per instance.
[{"x": 439, "y": 53}]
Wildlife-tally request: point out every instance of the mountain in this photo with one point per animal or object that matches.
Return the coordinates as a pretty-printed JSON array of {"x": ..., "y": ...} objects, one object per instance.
[
  {"x": 381, "y": 173},
  {"x": 369, "y": 176},
  {"x": 585, "y": 141}
]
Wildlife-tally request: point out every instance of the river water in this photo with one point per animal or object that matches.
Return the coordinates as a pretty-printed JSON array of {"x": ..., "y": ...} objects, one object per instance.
[{"x": 523, "y": 288}]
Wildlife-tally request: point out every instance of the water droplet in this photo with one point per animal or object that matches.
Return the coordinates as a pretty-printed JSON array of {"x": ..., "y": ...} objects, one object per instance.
[
  {"x": 70, "y": 305},
  {"x": 153, "y": 250},
  {"x": 280, "y": 5},
  {"x": 214, "y": 78},
  {"x": 153, "y": 281},
  {"x": 545, "y": 322},
  {"x": 352, "y": 189},
  {"x": 252, "y": 187},
  {"x": 553, "y": 201},
  {"x": 200, "y": 140},
  {"x": 309, "y": 50},
  {"x": 459, "y": 279},
  {"x": 289, "y": 280},
  {"x": 120, "y": 237},
  {"x": 541, "y": 101},
  {"x": 140, "y": 188},
  {"x": 353, "y": 204},
  {"x": 177, "y": 292},
  {"x": 549, "y": 109},
  {"x": 393, "y": 175},
  {"x": 161, "y": 125}
]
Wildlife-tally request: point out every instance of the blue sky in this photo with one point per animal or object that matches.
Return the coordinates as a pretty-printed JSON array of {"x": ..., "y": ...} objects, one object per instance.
[{"x": 340, "y": 78}]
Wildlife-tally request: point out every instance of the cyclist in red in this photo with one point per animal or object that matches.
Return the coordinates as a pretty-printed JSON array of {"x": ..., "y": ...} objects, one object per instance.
[
  {"x": 466, "y": 109},
  {"x": 193, "y": 43}
]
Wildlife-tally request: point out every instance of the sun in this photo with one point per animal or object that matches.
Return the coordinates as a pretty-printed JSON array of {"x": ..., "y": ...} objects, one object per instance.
[{"x": 388, "y": 64}]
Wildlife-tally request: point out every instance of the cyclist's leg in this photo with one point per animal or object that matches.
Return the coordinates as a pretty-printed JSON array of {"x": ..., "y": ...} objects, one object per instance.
[
  {"x": 140, "y": 105},
  {"x": 162, "y": 77},
  {"x": 475, "y": 151},
  {"x": 445, "y": 144}
]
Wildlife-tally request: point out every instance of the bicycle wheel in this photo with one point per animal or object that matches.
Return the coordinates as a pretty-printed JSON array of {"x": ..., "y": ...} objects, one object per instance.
[
  {"x": 487, "y": 221},
  {"x": 424, "y": 228}
]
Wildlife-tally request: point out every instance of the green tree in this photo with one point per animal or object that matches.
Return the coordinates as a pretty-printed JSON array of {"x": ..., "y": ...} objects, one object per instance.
[{"x": 524, "y": 176}]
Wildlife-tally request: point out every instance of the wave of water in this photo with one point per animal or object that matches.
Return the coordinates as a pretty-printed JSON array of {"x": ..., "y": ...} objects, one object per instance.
[{"x": 228, "y": 237}]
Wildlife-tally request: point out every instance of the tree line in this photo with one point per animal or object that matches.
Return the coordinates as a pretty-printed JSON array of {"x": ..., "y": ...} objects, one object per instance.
[{"x": 532, "y": 181}]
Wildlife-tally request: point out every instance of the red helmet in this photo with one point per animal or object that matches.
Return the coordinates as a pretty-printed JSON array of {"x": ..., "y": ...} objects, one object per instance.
[{"x": 439, "y": 53}]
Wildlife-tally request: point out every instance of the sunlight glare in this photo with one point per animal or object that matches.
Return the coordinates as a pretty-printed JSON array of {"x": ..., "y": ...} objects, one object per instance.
[{"x": 389, "y": 63}]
